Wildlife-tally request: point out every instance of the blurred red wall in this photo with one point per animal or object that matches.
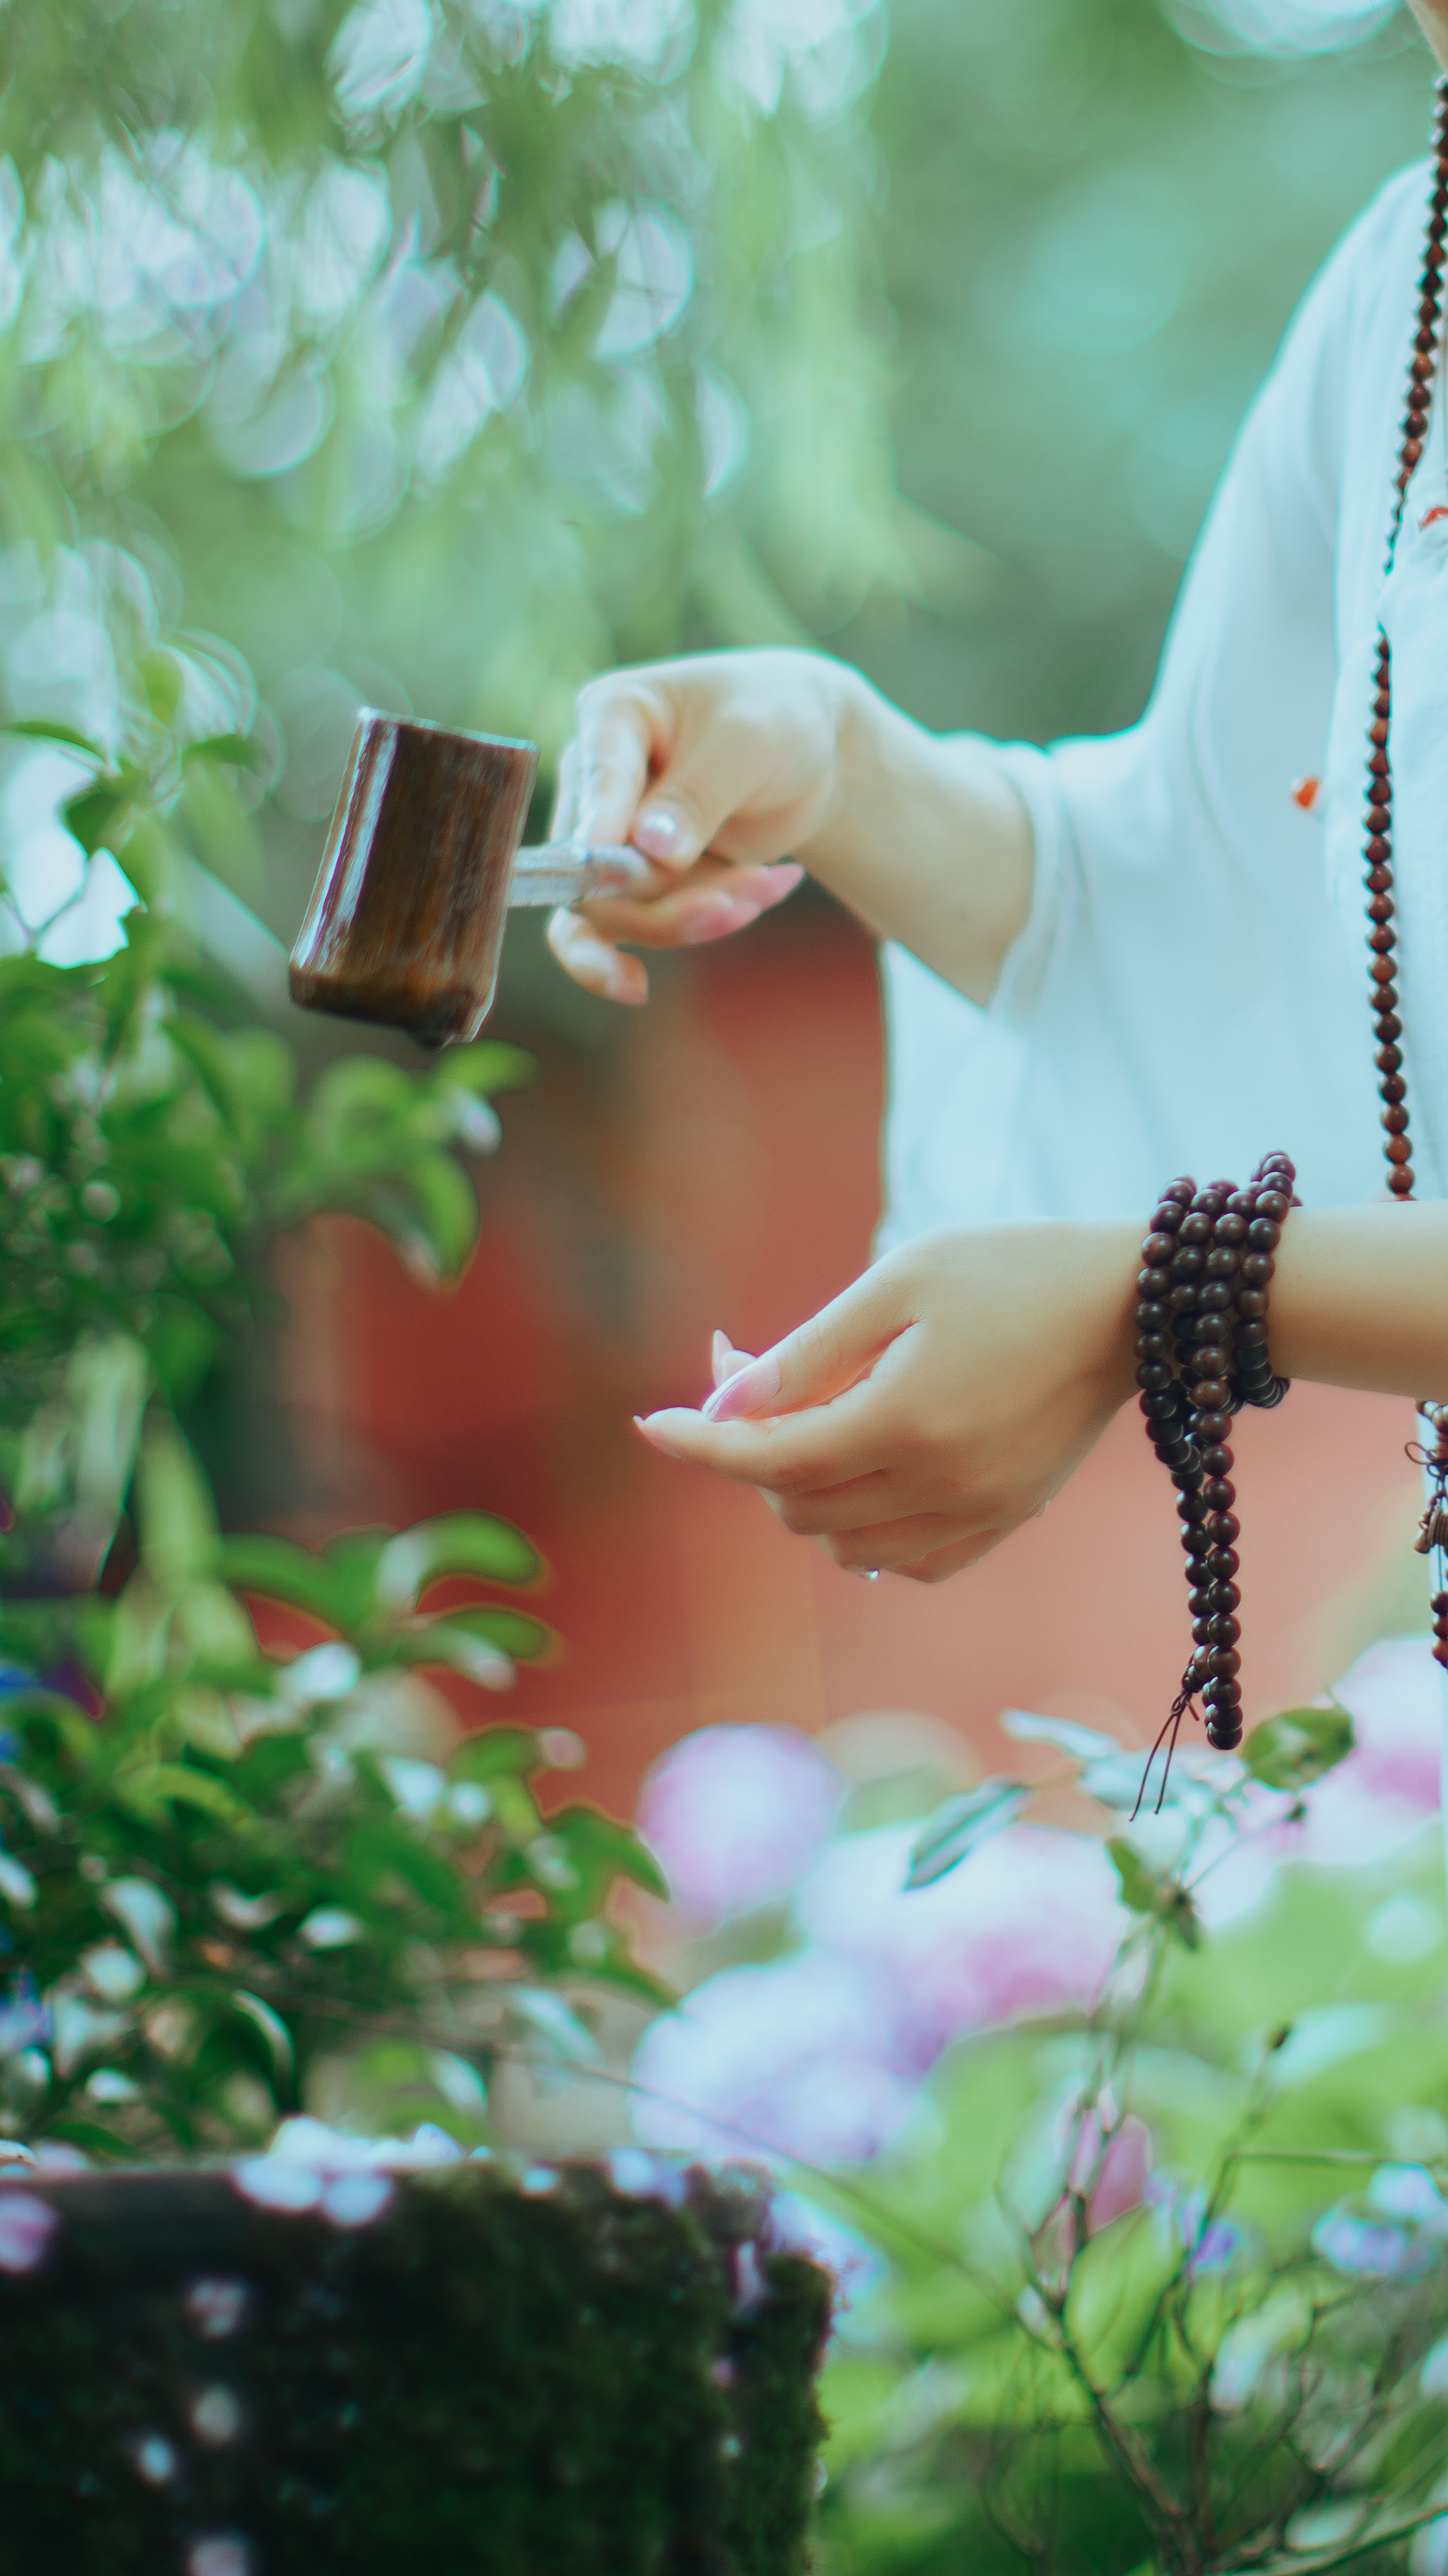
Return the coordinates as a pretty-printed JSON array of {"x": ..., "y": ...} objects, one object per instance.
[{"x": 720, "y": 1166}]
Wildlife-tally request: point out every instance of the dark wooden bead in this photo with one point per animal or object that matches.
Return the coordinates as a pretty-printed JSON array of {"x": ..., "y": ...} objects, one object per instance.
[
  {"x": 1213, "y": 1294},
  {"x": 1395, "y": 1121},
  {"x": 1182, "y": 1191},
  {"x": 1181, "y": 1297},
  {"x": 1150, "y": 1315},
  {"x": 1264, "y": 1234},
  {"x": 1157, "y": 1250},
  {"x": 1153, "y": 1374},
  {"x": 1220, "y": 1492},
  {"x": 1252, "y": 1336},
  {"x": 1196, "y": 1228},
  {"x": 1251, "y": 1302},
  {"x": 1231, "y": 1227},
  {"x": 1397, "y": 1149},
  {"x": 1226, "y": 1596},
  {"x": 1213, "y": 1426},
  {"x": 1217, "y": 1461},
  {"x": 1381, "y": 970},
  {"x": 1381, "y": 907},
  {"x": 1190, "y": 1508},
  {"x": 1257, "y": 1269},
  {"x": 1275, "y": 1204},
  {"x": 1224, "y": 1734},
  {"x": 1152, "y": 1346},
  {"x": 1188, "y": 1261},
  {"x": 1390, "y": 1028},
  {"x": 1401, "y": 1182},
  {"x": 1158, "y": 1403},
  {"x": 1210, "y": 1394},
  {"x": 1211, "y": 1362},
  {"x": 1379, "y": 879},
  {"x": 1392, "y": 1087},
  {"x": 1383, "y": 940},
  {"x": 1223, "y": 1528},
  {"x": 1152, "y": 1283}
]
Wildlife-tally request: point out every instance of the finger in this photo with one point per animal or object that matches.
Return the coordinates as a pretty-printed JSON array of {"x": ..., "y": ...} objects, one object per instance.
[
  {"x": 623, "y": 731},
  {"x": 944, "y": 1562},
  {"x": 724, "y": 1359},
  {"x": 593, "y": 963},
  {"x": 887, "y": 1546},
  {"x": 824, "y": 1357},
  {"x": 649, "y": 776},
  {"x": 794, "y": 1452},
  {"x": 563, "y": 821},
  {"x": 713, "y": 901}
]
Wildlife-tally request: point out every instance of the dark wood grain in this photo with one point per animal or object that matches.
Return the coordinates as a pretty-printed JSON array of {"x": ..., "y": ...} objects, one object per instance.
[{"x": 407, "y": 916}]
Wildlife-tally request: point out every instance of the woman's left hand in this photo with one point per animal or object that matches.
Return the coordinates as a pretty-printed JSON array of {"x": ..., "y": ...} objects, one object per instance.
[{"x": 941, "y": 1401}]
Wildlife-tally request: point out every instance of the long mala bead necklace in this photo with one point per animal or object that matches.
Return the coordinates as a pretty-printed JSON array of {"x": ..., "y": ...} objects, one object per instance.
[
  {"x": 1431, "y": 1452},
  {"x": 1206, "y": 1265},
  {"x": 1201, "y": 1343}
]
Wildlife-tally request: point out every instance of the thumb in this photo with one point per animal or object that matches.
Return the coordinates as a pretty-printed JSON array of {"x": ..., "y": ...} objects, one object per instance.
[{"x": 831, "y": 1352}]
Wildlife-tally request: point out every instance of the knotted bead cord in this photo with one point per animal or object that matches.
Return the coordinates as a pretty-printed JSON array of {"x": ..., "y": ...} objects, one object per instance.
[
  {"x": 1432, "y": 1452},
  {"x": 1201, "y": 1345}
]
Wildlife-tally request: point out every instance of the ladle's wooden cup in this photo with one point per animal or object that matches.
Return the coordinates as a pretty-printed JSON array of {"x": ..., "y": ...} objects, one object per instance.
[{"x": 421, "y": 866}]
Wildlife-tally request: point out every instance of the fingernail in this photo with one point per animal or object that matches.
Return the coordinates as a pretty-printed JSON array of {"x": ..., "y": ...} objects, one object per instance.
[
  {"x": 654, "y": 1427},
  {"x": 721, "y": 1352},
  {"x": 716, "y": 915},
  {"x": 627, "y": 982},
  {"x": 750, "y": 1390},
  {"x": 782, "y": 881},
  {"x": 661, "y": 835}
]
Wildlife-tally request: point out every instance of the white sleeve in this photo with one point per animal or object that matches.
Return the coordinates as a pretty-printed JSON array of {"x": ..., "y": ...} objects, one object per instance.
[{"x": 1181, "y": 997}]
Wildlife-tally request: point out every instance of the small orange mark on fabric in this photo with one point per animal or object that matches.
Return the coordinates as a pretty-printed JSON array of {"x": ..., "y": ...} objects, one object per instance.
[
  {"x": 1440, "y": 513},
  {"x": 1305, "y": 792}
]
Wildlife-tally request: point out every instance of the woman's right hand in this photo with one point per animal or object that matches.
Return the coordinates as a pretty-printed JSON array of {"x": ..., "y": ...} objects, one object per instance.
[{"x": 717, "y": 766}]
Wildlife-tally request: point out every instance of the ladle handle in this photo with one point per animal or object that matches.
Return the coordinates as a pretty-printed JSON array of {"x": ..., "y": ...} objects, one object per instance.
[{"x": 570, "y": 872}]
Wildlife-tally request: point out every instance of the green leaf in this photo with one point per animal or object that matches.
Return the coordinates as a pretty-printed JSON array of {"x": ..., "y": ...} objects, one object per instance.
[
  {"x": 277, "y": 2039},
  {"x": 601, "y": 1849},
  {"x": 49, "y": 729},
  {"x": 92, "y": 817},
  {"x": 277, "y": 1569},
  {"x": 1082, "y": 1743},
  {"x": 955, "y": 1830},
  {"x": 1146, "y": 1893},
  {"x": 178, "y": 1520},
  {"x": 92, "y": 2139},
  {"x": 174, "y": 1784},
  {"x": 235, "y": 748},
  {"x": 456, "y": 1543},
  {"x": 484, "y": 1068},
  {"x": 1299, "y": 1746}
]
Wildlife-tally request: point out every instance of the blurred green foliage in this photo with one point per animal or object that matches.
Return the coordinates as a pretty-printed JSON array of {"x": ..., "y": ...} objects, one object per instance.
[
  {"x": 1167, "y": 2286},
  {"x": 265, "y": 1866},
  {"x": 1098, "y": 218}
]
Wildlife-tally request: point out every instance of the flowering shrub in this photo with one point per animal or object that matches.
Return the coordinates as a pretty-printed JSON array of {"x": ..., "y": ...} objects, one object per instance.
[{"x": 1150, "y": 2137}]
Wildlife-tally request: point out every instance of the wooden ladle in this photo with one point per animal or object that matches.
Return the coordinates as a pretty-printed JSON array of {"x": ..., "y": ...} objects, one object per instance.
[{"x": 421, "y": 869}]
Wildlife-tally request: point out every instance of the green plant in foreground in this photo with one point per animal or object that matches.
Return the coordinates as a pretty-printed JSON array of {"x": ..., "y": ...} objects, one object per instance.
[
  {"x": 1168, "y": 2287},
  {"x": 238, "y": 1870}
]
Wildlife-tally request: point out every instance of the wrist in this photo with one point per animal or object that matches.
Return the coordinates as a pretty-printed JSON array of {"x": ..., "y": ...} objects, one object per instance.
[
  {"x": 1107, "y": 1259},
  {"x": 858, "y": 717}
]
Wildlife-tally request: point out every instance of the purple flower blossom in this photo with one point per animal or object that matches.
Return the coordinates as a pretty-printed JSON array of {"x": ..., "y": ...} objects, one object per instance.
[
  {"x": 820, "y": 2055},
  {"x": 1369, "y": 2250},
  {"x": 26, "y": 2228},
  {"x": 736, "y": 1815},
  {"x": 24, "y": 2018}
]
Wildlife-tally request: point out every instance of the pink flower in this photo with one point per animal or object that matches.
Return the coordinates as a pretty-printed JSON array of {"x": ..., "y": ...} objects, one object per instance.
[
  {"x": 736, "y": 1815},
  {"x": 1029, "y": 1924},
  {"x": 26, "y": 2228},
  {"x": 787, "y": 2060}
]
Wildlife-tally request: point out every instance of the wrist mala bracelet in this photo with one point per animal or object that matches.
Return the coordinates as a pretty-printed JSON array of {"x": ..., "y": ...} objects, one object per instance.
[{"x": 1201, "y": 1348}]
